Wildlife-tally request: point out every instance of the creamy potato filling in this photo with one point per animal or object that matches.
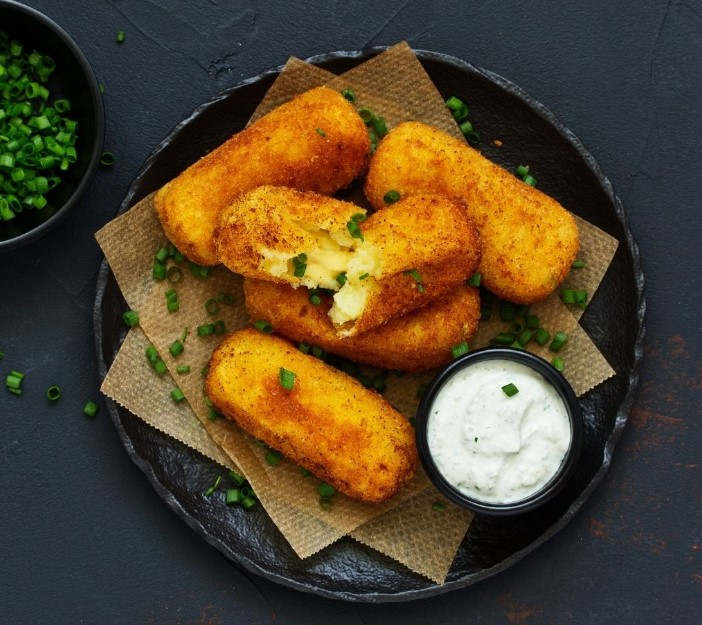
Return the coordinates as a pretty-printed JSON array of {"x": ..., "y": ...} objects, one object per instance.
[{"x": 333, "y": 253}]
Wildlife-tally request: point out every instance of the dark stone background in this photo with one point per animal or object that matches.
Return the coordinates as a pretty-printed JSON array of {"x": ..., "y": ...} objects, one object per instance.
[{"x": 84, "y": 539}]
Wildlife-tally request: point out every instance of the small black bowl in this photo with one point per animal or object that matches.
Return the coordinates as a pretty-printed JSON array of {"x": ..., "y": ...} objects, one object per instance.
[
  {"x": 72, "y": 79},
  {"x": 569, "y": 461}
]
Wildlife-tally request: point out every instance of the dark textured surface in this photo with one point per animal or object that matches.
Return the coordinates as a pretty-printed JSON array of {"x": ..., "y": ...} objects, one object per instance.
[
  {"x": 83, "y": 537},
  {"x": 345, "y": 570}
]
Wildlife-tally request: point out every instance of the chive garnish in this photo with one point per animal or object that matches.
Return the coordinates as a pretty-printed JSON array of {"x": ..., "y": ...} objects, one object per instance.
[
  {"x": 120, "y": 36},
  {"x": 578, "y": 264},
  {"x": 299, "y": 265},
  {"x": 559, "y": 340},
  {"x": 363, "y": 276},
  {"x": 417, "y": 277},
  {"x": 263, "y": 326},
  {"x": 183, "y": 369},
  {"x": 273, "y": 457},
  {"x": 320, "y": 132},
  {"x": 211, "y": 306},
  {"x": 341, "y": 278},
  {"x": 558, "y": 364},
  {"x": 286, "y": 378},
  {"x": 510, "y": 389},
  {"x": 53, "y": 393},
  {"x": 349, "y": 94},
  {"x": 177, "y": 395},
  {"x": 474, "y": 280},
  {"x": 176, "y": 348},
  {"x": 459, "y": 349},
  {"x": 391, "y": 196},
  {"x": 90, "y": 409},
  {"x": 438, "y": 506},
  {"x": 326, "y": 490},
  {"x": 131, "y": 318}
]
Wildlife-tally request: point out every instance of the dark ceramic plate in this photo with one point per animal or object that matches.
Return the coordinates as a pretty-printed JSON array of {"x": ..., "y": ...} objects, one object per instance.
[{"x": 614, "y": 319}]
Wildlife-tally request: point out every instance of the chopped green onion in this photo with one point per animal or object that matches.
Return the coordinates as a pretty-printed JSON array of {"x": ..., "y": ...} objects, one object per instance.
[
  {"x": 286, "y": 378},
  {"x": 558, "y": 364},
  {"x": 559, "y": 340},
  {"x": 542, "y": 336},
  {"x": 363, "y": 276},
  {"x": 199, "y": 271},
  {"x": 90, "y": 409},
  {"x": 120, "y": 36},
  {"x": 315, "y": 299},
  {"x": 474, "y": 280},
  {"x": 151, "y": 354},
  {"x": 466, "y": 128},
  {"x": 581, "y": 298},
  {"x": 341, "y": 278},
  {"x": 211, "y": 306},
  {"x": 232, "y": 496},
  {"x": 53, "y": 393},
  {"x": 263, "y": 326},
  {"x": 354, "y": 229},
  {"x": 300, "y": 265},
  {"x": 568, "y": 296},
  {"x": 417, "y": 277},
  {"x": 522, "y": 170},
  {"x": 225, "y": 298},
  {"x": 503, "y": 338},
  {"x": 174, "y": 274},
  {"x": 206, "y": 329},
  {"x": 457, "y": 107},
  {"x": 159, "y": 271},
  {"x": 107, "y": 159},
  {"x": 320, "y": 132},
  {"x": 160, "y": 367},
  {"x": 349, "y": 94},
  {"x": 326, "y": 490},
  {"x": 219, "y": 327},
  {"x": 305, "y": 472},
  {"x": 13, "y": 382},
  {"x": 459, "y": 349},
  {"x": 273, "y": 457},
  {"x": 532, "y": 322},
  {"x": 524, "y": 337},
  {"x": 176, "y": 348},
  {"x": 237, "y": 478},
  {"x": 183, "y": 369},
  {"x": 304, "y": 348},
  {"x": 131, "y": 318},
  {"x": 318, "y": 352},
  {"x": 211, "y": 489},
  {"x": 177, "y": 395},
  {"x": 391, "y": 196},
  {"x": 438, "y": 506},
  {"x": 173, "y": 306},
  {"x": 530, "y": 180},
  {"x": 366, "y": 114},
  {"x": 578, "y": 264},
  {"x": 510, "y": 389},
  {"x": 162, "y": 255},
  {"x": 248, "y": 502}
]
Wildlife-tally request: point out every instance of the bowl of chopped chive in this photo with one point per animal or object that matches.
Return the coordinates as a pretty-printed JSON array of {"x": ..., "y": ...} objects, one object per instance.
[
  {"x": 499, "y": 431},
  {"x": 51, "y": 124}
]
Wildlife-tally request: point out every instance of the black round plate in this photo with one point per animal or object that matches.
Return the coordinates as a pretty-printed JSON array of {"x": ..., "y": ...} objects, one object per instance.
[{"x": 614, "y": 319}]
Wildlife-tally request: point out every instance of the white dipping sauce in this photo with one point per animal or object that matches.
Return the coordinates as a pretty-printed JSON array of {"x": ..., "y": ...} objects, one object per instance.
[{"x": 492, "y": 447}]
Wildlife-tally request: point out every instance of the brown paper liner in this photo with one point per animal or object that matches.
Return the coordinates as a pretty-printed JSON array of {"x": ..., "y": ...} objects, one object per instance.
[{"x": 395, "y": 85}]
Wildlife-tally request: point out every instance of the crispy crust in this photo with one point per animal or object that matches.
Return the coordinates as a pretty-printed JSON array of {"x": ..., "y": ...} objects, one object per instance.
[
  {"x": 328, "y": 423},
  {"x": 418, "y": 341},
  {"x": 283, "y": 147},
  {"x": 529, "y": 240}
]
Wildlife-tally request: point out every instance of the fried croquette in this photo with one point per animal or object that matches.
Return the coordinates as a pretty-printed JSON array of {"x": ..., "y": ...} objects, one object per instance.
[
  {"x": 397, "y": 260},
  {"x": 529, "y": 240},
  {"x": 417, "y": 341},
  {"x": 327, "y": 422},
  {"x": 317, "y": 141}
]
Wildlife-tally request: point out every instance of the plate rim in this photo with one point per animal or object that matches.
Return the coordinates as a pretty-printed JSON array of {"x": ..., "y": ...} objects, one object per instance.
[{"x": 622, "y": 411}]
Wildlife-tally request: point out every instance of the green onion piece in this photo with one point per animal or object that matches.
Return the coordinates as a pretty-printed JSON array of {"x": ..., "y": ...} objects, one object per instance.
[
  {"x": 176, "y": 348},
  {"x": 522, "y": 170},
  {"x": 379, "y": 126},
  {"x": 542, "y": 336},
  {"x": 318, "y": 352},
  {"x": 503, "y": 338},
  {"x": 90, "y": 409},
  {"x": 438, "y": 506},
  {"x": 183, "y": 369},
  {"x": 391, "y": 196},
  {"x": 162, "y": 255},
  {"x": 459, "y": 349},
  {"x": 516, "y": 345},
  {"x": 568, "y": 296},
  {"x": 366, "y": 115},
  {"x": 300, "y": 265},
  {"x": 225, "y": 298},
  {"x": 320, "y": 132},
  {"x": 326, "y": 490},
  {"x": 160, "y": 367},
  {"x": 305, "y": 472},
  {"x": 14, "y": 380},
  {"x": 558, "y": 364},
  {"x": 177, "y": 395},
  {"x": 286, "y": 378},
  {"x": 578, "y": 264},
  {"x": 457, "y": 107},
  {"x": 53, "y": 393},
  {"x": 507, "y": 311},
  {"x": 466, "y": 128},
  {"x": 559, "y": 340},
  {"x": 211, "y": 306},
  {"x": 530, "y": 180},
  {"x": 171, "y": 295},
  {"x": 341, "y": 278},
  {"x": 263, "y": 326},
  {"x": 120, "y": 36},
  {"x": 232, "y": 496},
  {"x": 215, "y": 485},
  {"x": 349, "y": 94},
  {"x": 237, "y": 478},
  {"x": 173, "y": 306},
  {"x": 200, "y": 271},
  {"x": 248, "y": 502},
  {"x": 131, "y": 318},
  {"x": 159, "y": 271},
  {"x": 205, "y": 329},
  {"x": 363, "y": 276},
  {"x": 151, "y": 354},
  {"x": 474, "y": 280},
  {"x": 532, "y": 322},
  {"x": 417, "y": 277},
  {"x": 107, "y": 159},
  {"x": 581, "y": 297},
  {"x": 354, "y": 229},
  {"x": 510, "y": 389},
  {"x": 174, "y": 275},
  {"x": 304, "y": 348},
  {"x": 524, "y": 337},
  {"x": 219, "y": 327},
  {"x": 315, "y": 299},
  {"x": 273, "y": 457}
]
